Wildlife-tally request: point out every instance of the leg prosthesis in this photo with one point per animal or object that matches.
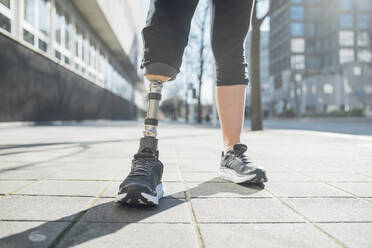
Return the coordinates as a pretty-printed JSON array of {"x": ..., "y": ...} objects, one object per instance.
[{"x": 149, "y": 143}]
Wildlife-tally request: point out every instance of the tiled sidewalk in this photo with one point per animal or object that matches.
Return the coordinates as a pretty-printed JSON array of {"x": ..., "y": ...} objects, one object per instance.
[{"x": 58, "y": 183}]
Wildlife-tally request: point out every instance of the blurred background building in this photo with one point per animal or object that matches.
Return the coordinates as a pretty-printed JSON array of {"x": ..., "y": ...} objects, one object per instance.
[
  {"x": 320, "y": 56},
  {"x": 79, "y": 59},
  {"x": 62, "y": 60}
]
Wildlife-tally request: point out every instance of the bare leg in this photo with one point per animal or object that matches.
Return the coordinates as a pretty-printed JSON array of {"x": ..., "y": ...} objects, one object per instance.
[{"x": 230, "y": 105}]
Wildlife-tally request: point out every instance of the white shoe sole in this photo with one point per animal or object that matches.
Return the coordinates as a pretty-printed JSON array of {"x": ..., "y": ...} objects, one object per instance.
[
  {"x": 147, "y": 199},
  {"x": 231, "y": 175}
]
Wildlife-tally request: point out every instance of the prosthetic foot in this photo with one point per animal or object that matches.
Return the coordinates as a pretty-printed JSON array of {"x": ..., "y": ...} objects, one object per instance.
[{"x": 143, "y": 185}]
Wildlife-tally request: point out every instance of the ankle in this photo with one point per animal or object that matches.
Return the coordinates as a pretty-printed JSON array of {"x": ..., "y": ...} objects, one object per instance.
[{"x": 228, "y": 148}]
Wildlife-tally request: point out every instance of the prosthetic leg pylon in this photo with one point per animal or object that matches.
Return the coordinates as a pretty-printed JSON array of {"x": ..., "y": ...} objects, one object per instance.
[
  {"x": 143, "y": 185},
  {"x": 149, "y": 143}
]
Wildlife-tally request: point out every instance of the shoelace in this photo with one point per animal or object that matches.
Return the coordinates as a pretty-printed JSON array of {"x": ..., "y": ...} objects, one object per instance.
[
  {"x": 244, "y": 158},
  {"x": 141, "y": 167}
]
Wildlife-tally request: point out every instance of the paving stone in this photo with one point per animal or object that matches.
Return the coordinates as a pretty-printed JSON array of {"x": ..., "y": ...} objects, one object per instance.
[
  {"x": 242, "y": 210},
  {"x": 367, "y": 171},
  {"x": 304, "y": 190},
  {"x": 93, "y": 166},
  {"x": 171, "y": 190},
  {"x": 264, "y": 235},
  {"x": 268, "y": 164},
  {"x": 359, "y": 189},
  {"x": 67, "y": 188},
  {"x": 171, "y": 176},
  {"x": 288, "y": 176},
  {"x": 168, "y": 211},
  {"x": 332, "y": 209},
  {"x": 230, "y": 213},
  {"x": 337, "y": 176},
  {"x": 83, "y": 175},
  {"x": 130, "y": 235},
  {"x": 6, "y": 164},
  {"x": 43, "y": 208},
  {"x": 16, "y": 234},
  {"x": 225, "y": 190},
  {"x": 202, "y": 177},
  {"x": 353, "y": 235},
  {"x": 9, "y": 186},
  {"x": 203, "y": 165},
  {"x": 25, "y": 174}
]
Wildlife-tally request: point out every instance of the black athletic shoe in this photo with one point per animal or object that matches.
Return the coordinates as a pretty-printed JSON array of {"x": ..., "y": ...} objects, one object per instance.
[
  {"x": 143, "y": 184},
  {"x": 236, "y": 167}
]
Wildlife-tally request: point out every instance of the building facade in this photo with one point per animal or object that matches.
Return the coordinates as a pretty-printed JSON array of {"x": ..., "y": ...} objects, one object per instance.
[
  {"x": 70, "y": 59},
  {"x": 320, "y": 55}
]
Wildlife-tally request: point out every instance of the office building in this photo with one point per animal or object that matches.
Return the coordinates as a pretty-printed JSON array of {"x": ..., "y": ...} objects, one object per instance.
[
  {"x": 70, "y": 60},
  {"x": 320, "y": 55}
]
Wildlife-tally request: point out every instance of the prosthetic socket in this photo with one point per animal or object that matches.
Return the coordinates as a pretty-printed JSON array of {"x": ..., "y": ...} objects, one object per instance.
[{"x": 149, "y": 143}]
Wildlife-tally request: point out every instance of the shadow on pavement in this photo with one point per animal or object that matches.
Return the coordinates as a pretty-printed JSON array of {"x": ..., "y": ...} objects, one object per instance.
[
  {"x": 115, "y": 217},
  {"x": 83, "y": 147}
]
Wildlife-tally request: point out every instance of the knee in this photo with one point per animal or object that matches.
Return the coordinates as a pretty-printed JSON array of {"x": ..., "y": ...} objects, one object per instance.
[
  {"x": 231, "y": 74},
  {"x": 160, "y": 71}
]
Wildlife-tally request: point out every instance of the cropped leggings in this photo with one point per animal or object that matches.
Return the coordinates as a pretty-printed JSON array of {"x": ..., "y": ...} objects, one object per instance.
[{"x": 167, "y": 31}]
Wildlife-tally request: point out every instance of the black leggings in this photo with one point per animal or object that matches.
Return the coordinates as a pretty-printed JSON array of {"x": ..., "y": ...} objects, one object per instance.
[{"x": 167, "y": 31}]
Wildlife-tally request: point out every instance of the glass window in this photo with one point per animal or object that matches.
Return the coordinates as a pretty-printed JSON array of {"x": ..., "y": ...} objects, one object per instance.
[
  {"x": 364, "y": 4},
  {"x": 67, "y": 60},
  {"x": 346, "y": 38},
  {"x": 29, "y": 11},
  {"x": 297, "y": 13},
  {"x": 29, "y": 37},
  {"x": 78, "y": 41},
  {"x": 43, "y": 45},
  {"x": 310, "y": 29},
  {"x": 5, "y": 23},
  {"x": 43, "y": 18},
  {"x": 297, "y": 28},
  {"x": 298, "y": 45},
  {"x": 327, "y": 89},
  {"x": 368, "y": 89},
  {"x": 365, "y": 55},
  {"x": 346, "y": 55},
  {"x": 363, "y": 20},
  {"x": 57, "y": 54},
  {"x": 58, "y": 24},
  {"x": 83, "y": 47},
  {"x": 363, "y": 39},
  {"x": 346, "y": 20},
  {"x": 6, "y": 3},
  {"x": 298, "y": 62},
  {"x": 346, "y": 4},
  {"x": 67, "y": 31},
  {"x": 357, "y": 70}
]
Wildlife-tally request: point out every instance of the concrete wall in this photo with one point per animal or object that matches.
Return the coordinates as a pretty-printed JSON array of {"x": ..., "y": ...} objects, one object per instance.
[{"x": 33, "y": 88}]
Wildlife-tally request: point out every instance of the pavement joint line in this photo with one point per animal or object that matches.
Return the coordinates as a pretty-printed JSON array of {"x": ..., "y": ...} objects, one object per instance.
[
  {"x": 362, "y": 174},
  {"x": 25, "y": 186},
  {"x": 76, "y": 220},
  {"x": 200, "y": 197},
  {"x": 354, "y": 195},
  {"x": 338, "y": 188},
  {"x": 76, "y": 196},
  {"x": 338, "y": 242},
  {"x": 188, "y": 223},
  {"x": 188, "y": 201}
]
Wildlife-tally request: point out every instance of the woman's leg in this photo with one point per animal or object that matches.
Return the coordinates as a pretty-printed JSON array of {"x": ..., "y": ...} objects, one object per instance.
[
  {"x": 230, "y": 24},
  {"x": 231, "y": 104}
]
